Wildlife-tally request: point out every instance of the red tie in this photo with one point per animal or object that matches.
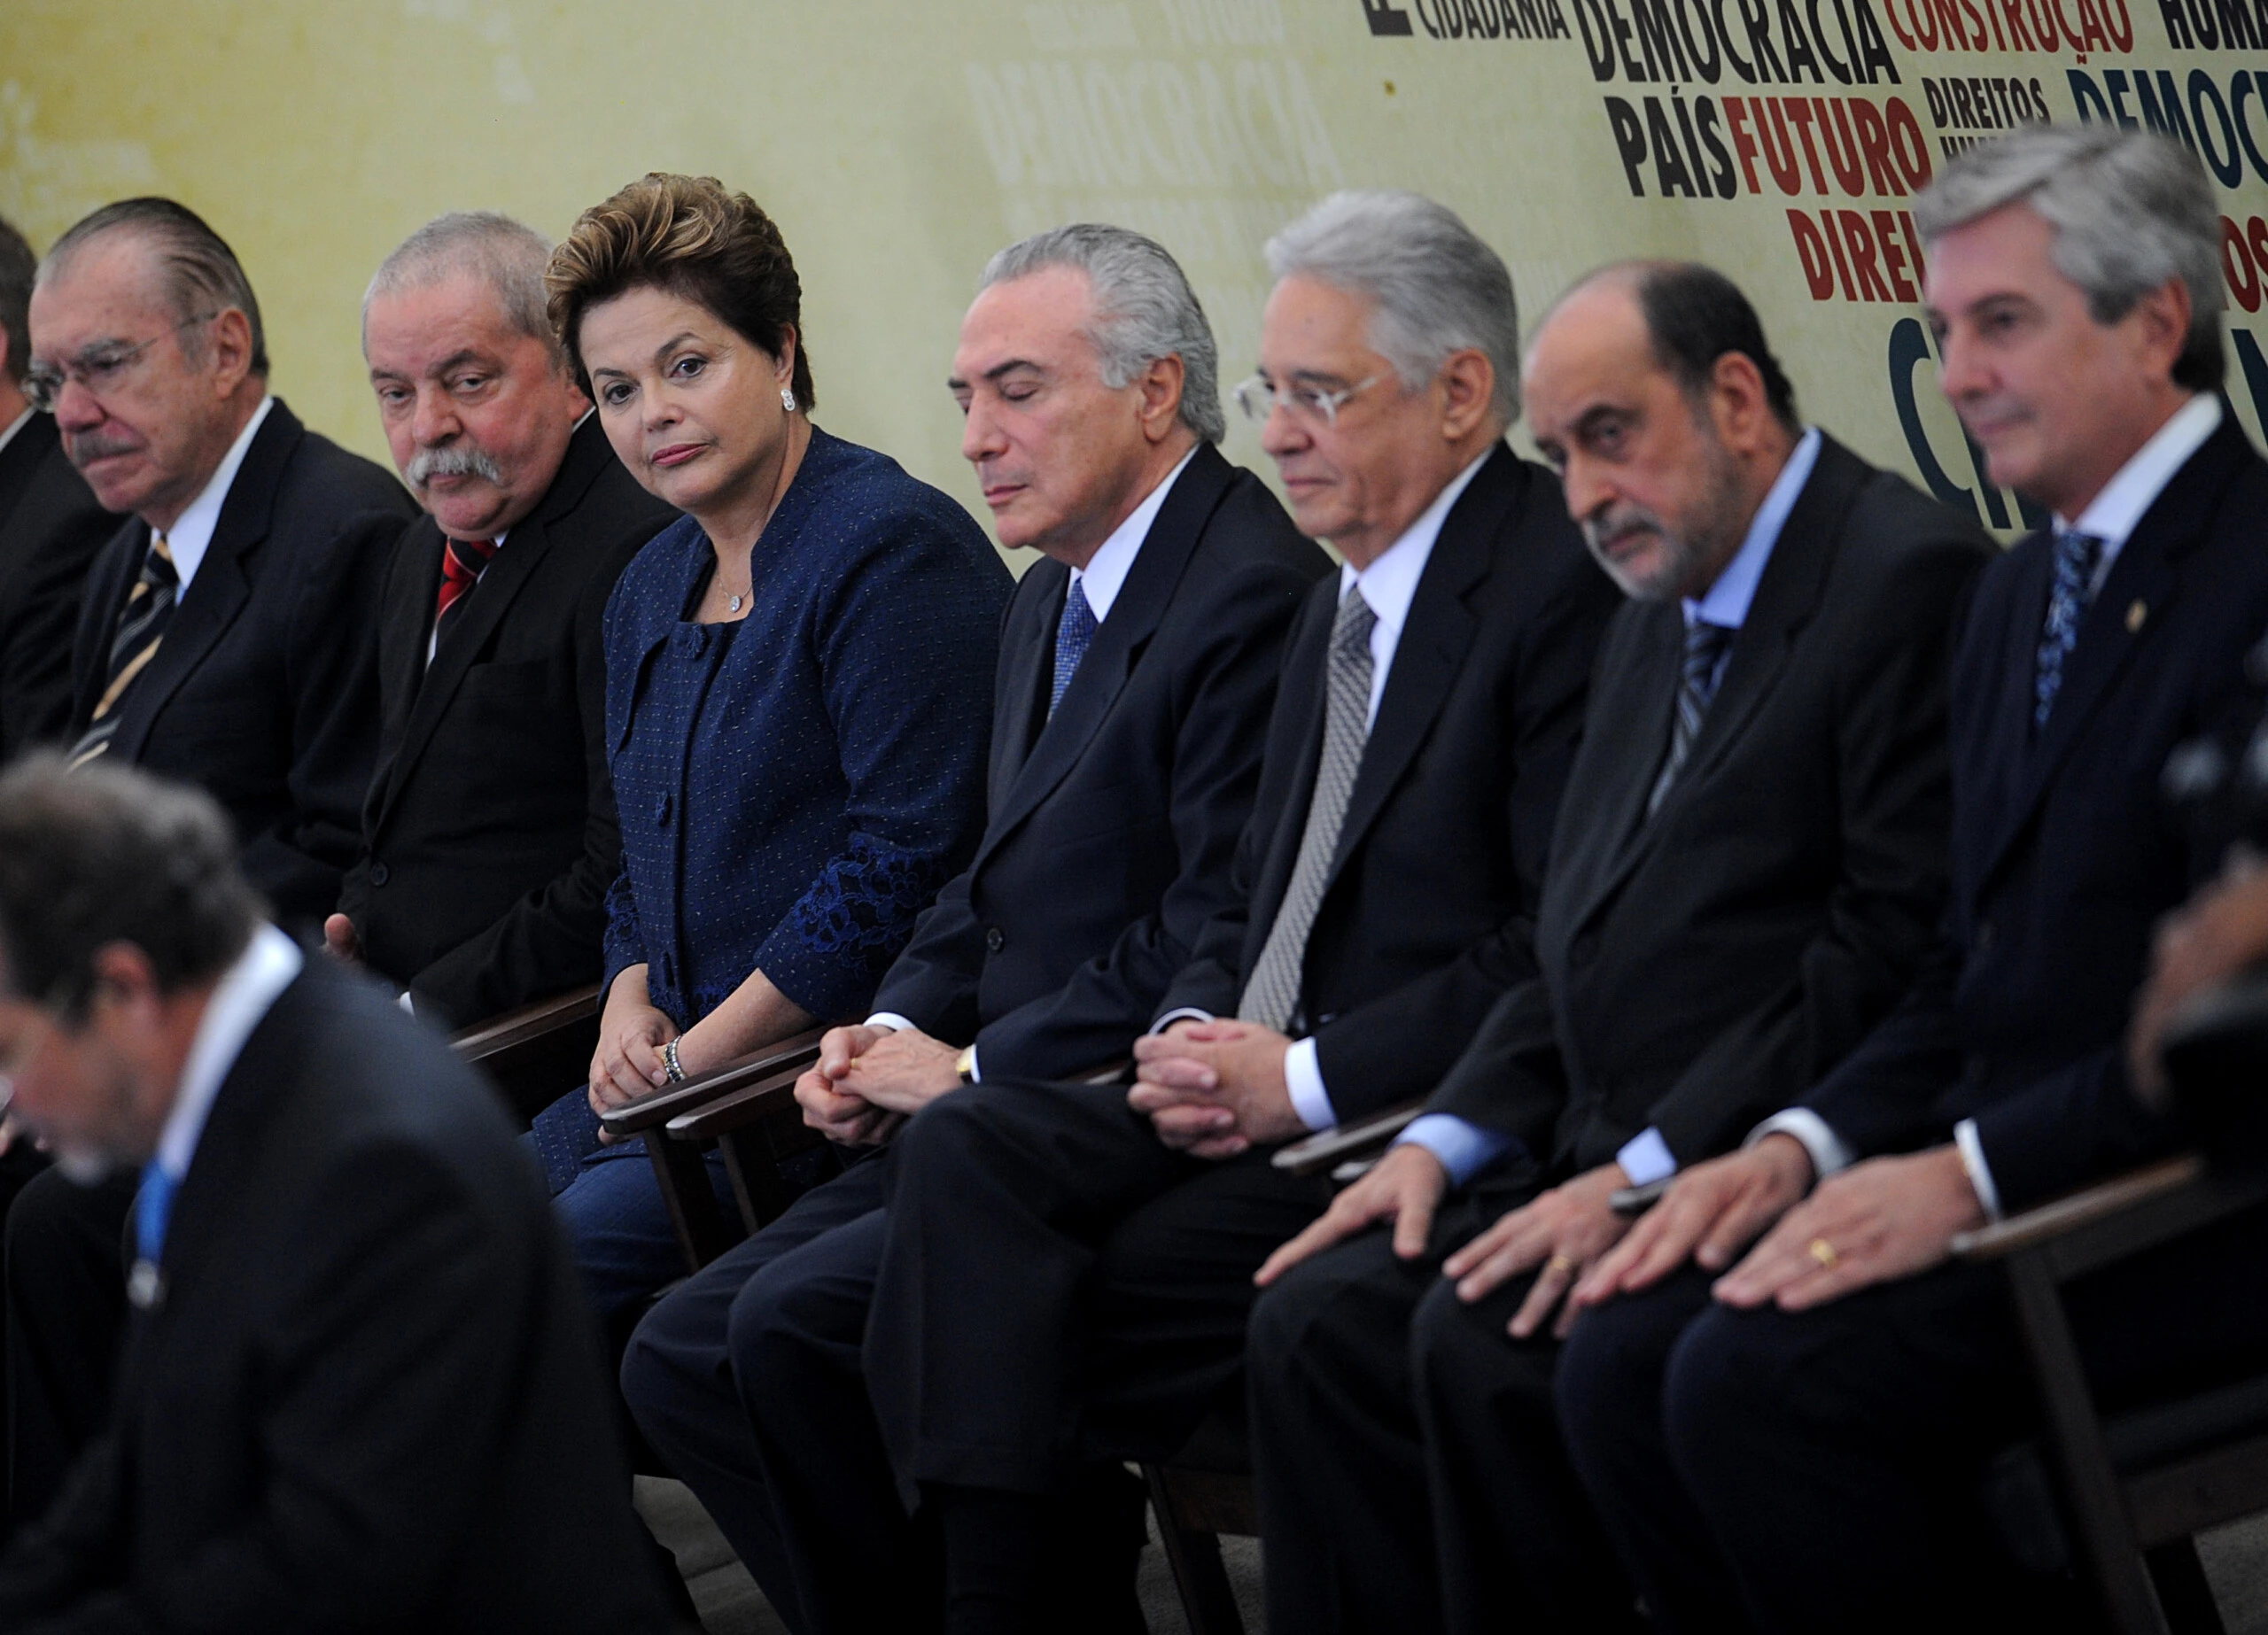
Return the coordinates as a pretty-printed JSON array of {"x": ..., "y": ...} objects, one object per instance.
[{"x": 462, "y": 560}]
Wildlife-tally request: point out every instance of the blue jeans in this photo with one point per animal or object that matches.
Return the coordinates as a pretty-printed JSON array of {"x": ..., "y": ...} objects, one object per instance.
[{"x": 611, "y": 1207}]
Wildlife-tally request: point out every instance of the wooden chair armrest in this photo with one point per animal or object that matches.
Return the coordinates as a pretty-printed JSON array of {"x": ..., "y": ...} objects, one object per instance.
[
  {"x": 790, "y": 1056},
  {"x": 2118, "y": 1218},
  {"x": 751, "y": 1101},
  {"x": 516, "y": 1030},
  {"x": 1325, "y": 1151}
]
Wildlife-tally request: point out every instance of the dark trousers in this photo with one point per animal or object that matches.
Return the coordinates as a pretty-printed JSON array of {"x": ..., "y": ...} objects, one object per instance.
[
  {"x": 67, "y": 1262},
  {"x": 768, "y": 1336},
  {"x": 1407, "y": 1453},
  {"x": 1785, "y": 1471},
  {"x": 1057, "y": 1288}
]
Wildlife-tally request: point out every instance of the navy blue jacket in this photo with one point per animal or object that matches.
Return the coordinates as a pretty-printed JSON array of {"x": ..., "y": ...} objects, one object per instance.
[
  {"x": 2065, "y": 853},
  {"x": 795, "y": 788},
  {"x": 1114, "y": 825}
]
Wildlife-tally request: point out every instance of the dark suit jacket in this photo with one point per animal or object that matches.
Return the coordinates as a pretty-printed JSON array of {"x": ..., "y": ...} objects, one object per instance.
[
  {"x": 489, "y": 836},
  {"x": 2064, "y": 853},
  {"x": 265, "y": 689},
  {"x": 1113, "y": 826},
  {"x": 50, "y": 529},
  {"x": 1702, "y": 969},
  {"x": 1427, "y": 914},
  {"x": 370, "y": 1397}
]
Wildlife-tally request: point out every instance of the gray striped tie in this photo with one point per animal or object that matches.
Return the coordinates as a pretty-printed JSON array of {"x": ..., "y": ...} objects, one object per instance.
[
  {"x": 1705, "y": 663},
  {"x": 140, "y": 627},
  {"x": 1272, "y": 996}
]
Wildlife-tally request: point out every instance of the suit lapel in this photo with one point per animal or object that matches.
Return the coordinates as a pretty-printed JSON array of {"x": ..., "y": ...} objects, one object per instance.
[
  {"x": 20, "y": 461},
  {"x": 1119, "y": 640},
  {"x": 1432, "y": 644},
  {"x": 2126, "y": 612},
  {"x": 1300, "y": 698},
  {"x": 1029, "y": 642},
  {"x": 221, "y": 587},
  {"x": 1626, "y": 734}
]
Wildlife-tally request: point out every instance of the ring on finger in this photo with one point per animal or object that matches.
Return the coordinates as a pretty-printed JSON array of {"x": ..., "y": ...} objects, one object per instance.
[
  {"x": 1560, "y": 1265},
  {"x": 1823, "y": 1252}
]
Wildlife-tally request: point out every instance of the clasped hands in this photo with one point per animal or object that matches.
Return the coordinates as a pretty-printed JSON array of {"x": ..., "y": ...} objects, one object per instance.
[
  {"x": 869, "y": 1080},
  {"x": 1213, "y": 1090}
]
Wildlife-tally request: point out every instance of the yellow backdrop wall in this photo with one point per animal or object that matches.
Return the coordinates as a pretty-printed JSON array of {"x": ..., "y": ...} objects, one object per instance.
[{"x": 899, "y": 142}]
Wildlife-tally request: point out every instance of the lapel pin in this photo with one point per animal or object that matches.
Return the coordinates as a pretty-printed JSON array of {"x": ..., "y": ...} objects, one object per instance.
[{"x": 2136, "y": 612}]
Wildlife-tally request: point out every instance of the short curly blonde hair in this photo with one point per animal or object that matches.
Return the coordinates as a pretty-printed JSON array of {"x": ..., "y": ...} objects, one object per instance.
[{"x": 685, "y": 235}]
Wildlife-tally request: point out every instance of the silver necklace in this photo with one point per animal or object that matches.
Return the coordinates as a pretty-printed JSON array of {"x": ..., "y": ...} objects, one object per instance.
[{"x": 732, "y": 604}]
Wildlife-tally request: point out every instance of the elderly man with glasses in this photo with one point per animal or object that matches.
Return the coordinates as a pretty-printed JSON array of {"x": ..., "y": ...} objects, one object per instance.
[
  {"x": 1065, "y": 1268},
  {"x": 226, "y": 638}
]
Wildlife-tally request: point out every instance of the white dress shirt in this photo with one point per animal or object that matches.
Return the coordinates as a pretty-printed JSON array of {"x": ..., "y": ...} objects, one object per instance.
[
  {"x": 191, "y": 534},
  {"x": 240, "y": 999},
  {"x": 16, "y": 425},
  {"x": 1103, "y": 576},
  {"x": 2111, "y": 516},
  {"x": 1463, "y": 1147}
]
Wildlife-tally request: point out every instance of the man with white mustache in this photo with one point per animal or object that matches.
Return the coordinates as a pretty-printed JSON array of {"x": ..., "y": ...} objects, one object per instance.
[{"x": 489, "y": 835}]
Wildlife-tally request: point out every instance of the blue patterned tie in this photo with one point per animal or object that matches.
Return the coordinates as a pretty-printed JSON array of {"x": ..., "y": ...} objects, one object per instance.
[
  {"x": 1074, "y": 634},
  {"x": 153, "y": 1209},
  {"x": 1705, "y": 645},
  {"x": 2076, "y": 557}
]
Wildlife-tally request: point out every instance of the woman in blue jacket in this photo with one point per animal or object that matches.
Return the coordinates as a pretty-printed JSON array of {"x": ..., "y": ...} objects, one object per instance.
[{"x": 798, "y": 687}]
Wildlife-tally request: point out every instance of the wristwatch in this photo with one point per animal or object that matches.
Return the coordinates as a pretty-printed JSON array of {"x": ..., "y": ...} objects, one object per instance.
[{"x": 965, "y": 1065}]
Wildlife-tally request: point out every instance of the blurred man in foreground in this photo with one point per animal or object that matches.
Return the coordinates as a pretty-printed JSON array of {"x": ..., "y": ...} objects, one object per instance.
[{"x": 360, "y": 1387}]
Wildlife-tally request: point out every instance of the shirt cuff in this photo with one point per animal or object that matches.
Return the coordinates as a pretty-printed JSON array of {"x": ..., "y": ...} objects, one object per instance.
[
  {"x": 1646, "y": 1157},
  {"x": 1980, "y": 1173},
  {"x": 1304, "y": 1078},
  {"x": 892, "y": 1021},
  {"x": 404, "y": 1002},
  {"x": 1182, "y": 1013},
  {"x": 1464, "y": 1149},
  {"x": 1829, "y": 1151}
]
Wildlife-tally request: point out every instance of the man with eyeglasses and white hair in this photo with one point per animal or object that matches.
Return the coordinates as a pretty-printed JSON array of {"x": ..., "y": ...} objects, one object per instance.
[
  {"x": 1061, "y": 1279},
  {"x": 226, "y": 638},
  {"x": 1798, "y": 1444}
]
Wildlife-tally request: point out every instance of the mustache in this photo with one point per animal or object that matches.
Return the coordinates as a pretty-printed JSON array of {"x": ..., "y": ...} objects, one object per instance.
[
  {"x": 84, "y": 448},
  {"x": 1610, "y": 527},
  {"x": 451, "y": 462}
]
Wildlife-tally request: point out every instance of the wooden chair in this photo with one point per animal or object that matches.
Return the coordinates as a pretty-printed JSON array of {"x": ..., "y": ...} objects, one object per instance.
[
  {"x": 1204, "y": 1492},
  {"x": 677, "y": 1125},
  {"x": 538, "y": 1052},
  {"x": 2136, "y": 1485}
]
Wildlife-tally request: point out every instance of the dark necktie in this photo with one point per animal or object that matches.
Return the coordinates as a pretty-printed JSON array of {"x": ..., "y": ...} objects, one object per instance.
[
  {"x": 2077, "y": 555},
  {"x": 141, "y": 626},
  {"x": 1075, "y": 633},
  {"x": 1705, "y": 645},
  {"x": 463, "y": 562},
  {"x": 1271, "y": 997}
]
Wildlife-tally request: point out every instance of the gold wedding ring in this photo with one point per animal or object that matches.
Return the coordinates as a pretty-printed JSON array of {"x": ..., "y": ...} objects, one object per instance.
[
  {"x": 1823, "y": 1252},
  {"x": 1559, "y": 1263}
]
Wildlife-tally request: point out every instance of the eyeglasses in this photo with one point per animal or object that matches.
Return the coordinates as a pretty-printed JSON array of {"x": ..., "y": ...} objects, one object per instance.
[
  {"x": 1260, "y": 397},
  {"x": 100, "y": 369}
]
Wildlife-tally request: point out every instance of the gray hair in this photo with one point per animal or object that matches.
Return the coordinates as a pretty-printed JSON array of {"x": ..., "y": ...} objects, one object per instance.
[
  {"x": 1145, "y": 310},
  {"x": 2130, "y": 210},
  {"x": 17, "y": 267},
  {"x": 1439, "y": 288},
  {"x": 507, "y": 256},
  {"x": 201, "y": 273}
]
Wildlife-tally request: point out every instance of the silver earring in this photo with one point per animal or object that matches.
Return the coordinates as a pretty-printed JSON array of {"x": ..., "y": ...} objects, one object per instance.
[{"x": 788, "y": 399}]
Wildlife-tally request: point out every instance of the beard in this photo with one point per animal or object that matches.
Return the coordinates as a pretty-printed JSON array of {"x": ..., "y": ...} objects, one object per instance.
[
  {"x": 434, "y": 463},
  {"x": 1695, "y": 546}
]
